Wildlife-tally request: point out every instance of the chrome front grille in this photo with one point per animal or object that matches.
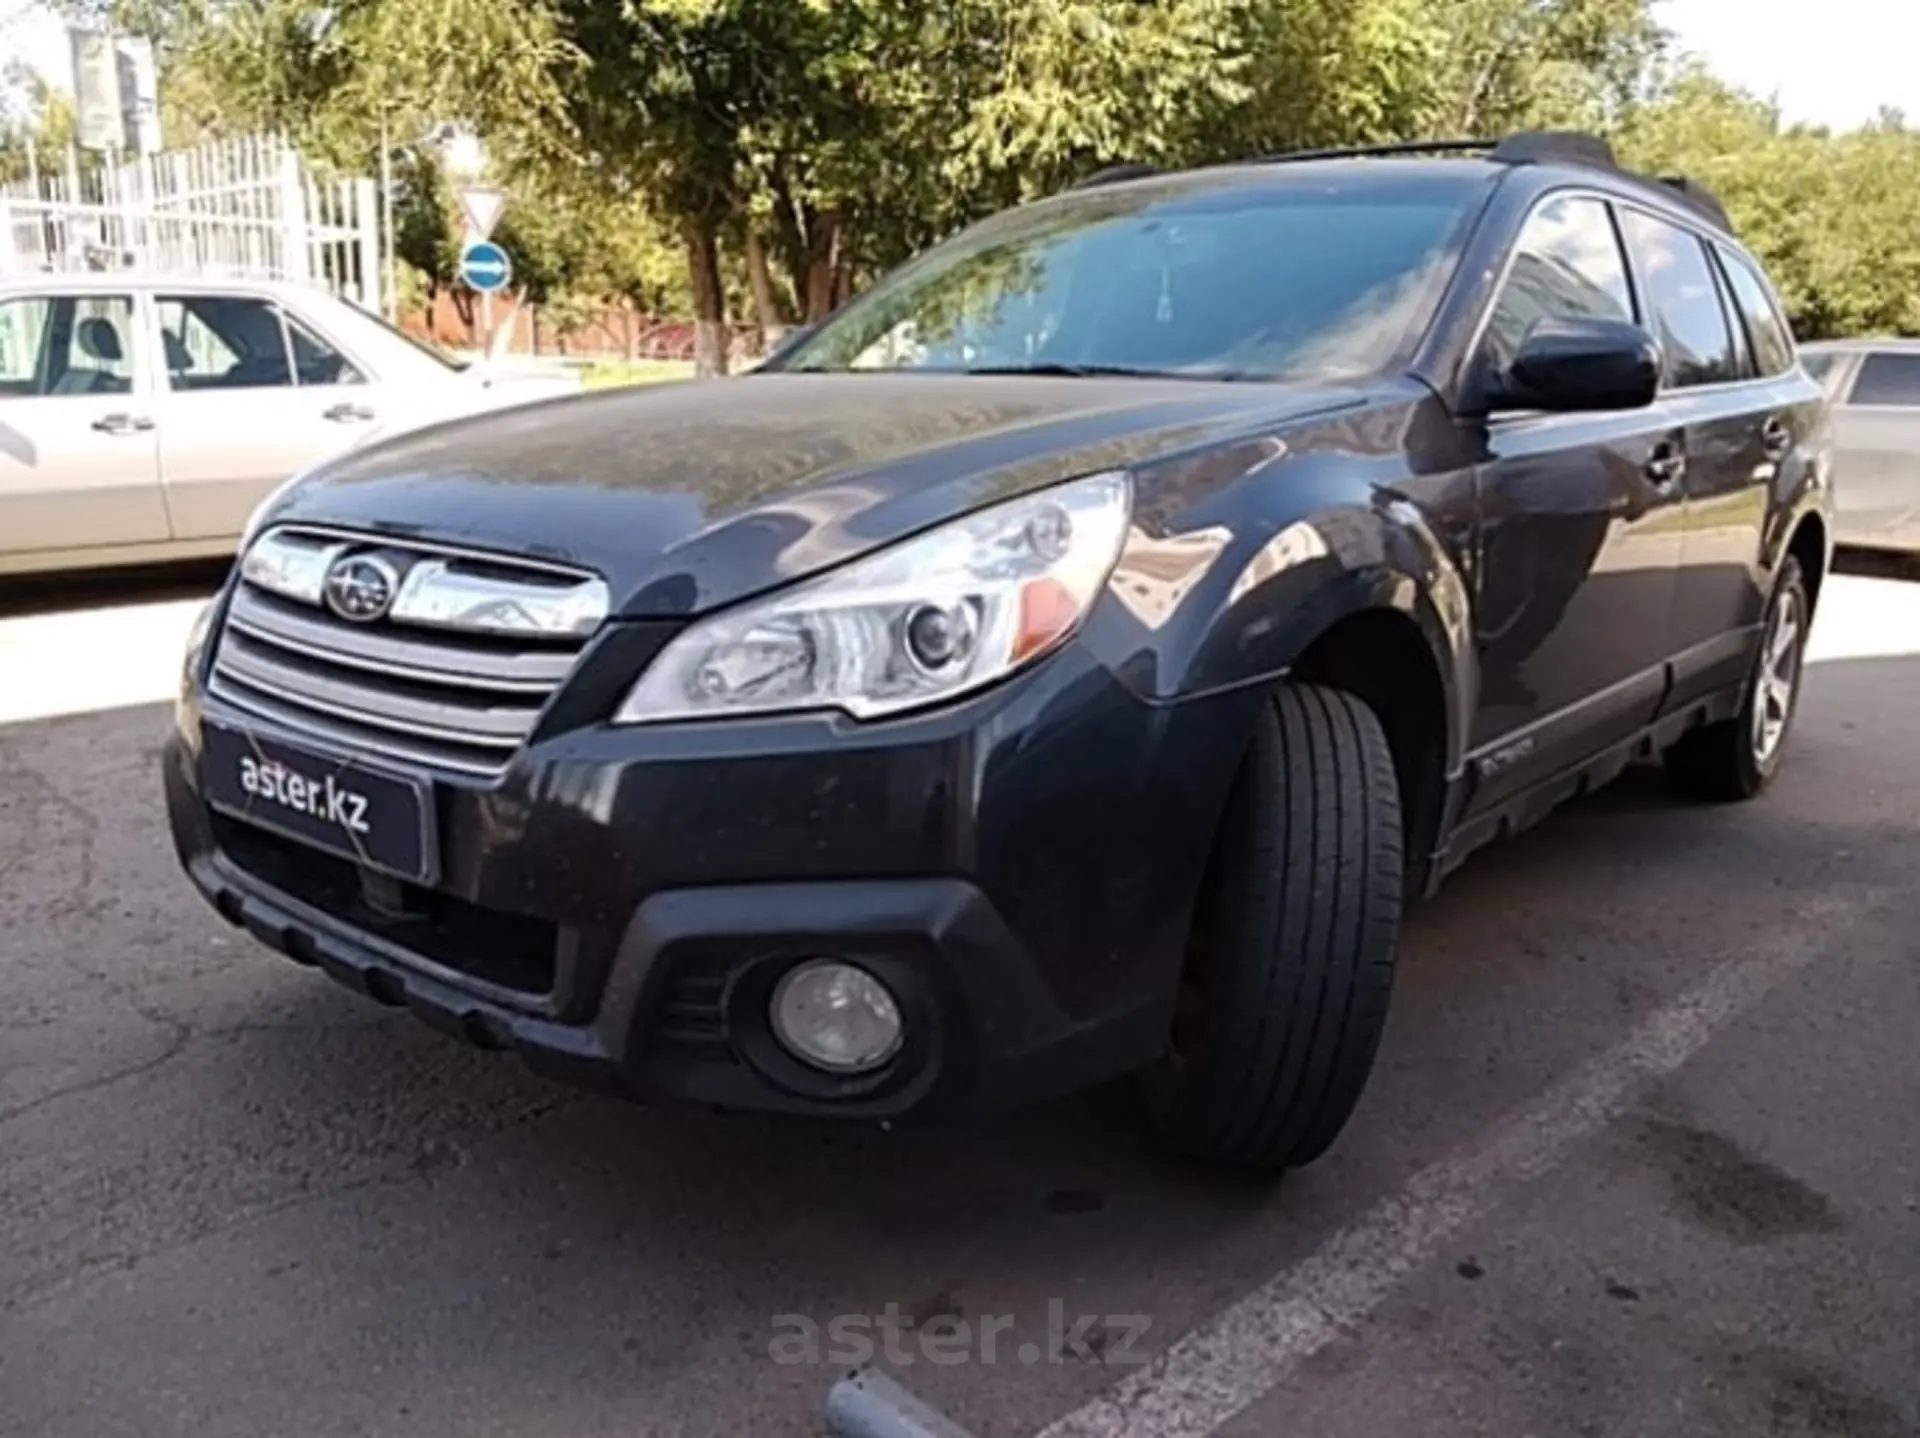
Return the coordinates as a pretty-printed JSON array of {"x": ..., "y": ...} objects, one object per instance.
[{"x": 453, "y": 678}]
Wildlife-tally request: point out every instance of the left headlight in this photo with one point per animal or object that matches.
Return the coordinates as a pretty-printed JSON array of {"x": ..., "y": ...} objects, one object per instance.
[{"x": 924, "y": 621}]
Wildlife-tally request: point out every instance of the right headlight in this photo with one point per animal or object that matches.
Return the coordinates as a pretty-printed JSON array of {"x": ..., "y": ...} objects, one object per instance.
[{"x": 923, "y": 621}]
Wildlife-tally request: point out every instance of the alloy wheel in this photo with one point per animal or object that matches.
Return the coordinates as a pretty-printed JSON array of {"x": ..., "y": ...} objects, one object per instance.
[{"x": 1779, "y": 677}]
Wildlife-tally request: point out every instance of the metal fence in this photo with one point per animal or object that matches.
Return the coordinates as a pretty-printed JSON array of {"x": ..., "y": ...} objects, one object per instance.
[{"x": 242, "y": 207}]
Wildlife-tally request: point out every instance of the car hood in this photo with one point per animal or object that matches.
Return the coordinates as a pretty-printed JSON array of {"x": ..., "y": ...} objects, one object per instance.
[{"x": 693, "y": 495}]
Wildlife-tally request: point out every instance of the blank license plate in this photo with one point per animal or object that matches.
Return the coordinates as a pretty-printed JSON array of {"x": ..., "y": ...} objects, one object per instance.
[{"x": 372, "y": 817}]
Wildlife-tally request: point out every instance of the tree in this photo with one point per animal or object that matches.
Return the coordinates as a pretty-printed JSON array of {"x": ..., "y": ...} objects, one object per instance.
[
  {"x": 1835, "y": 218},
  {"x": 38, "y": 134},
  {"x": 784, "y": 150}
]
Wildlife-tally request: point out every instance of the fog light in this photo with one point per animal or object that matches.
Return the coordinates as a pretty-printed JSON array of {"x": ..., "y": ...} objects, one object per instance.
[{"x": 836, "y": 1016}]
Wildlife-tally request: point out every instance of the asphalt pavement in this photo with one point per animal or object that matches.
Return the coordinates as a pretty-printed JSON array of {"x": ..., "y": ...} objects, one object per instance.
[{"x": 1641, "y": 1155}]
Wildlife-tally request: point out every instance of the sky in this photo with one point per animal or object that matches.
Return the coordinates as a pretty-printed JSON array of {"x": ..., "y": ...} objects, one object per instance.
[{"x": 1826, "y": 62}]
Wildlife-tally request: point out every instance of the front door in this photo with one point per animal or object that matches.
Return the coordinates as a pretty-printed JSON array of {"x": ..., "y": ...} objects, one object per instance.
[
  {"x": 78, "y": 466},
  {"x": 1580, "y": 531},
  {"x": 252, "y": 398}
]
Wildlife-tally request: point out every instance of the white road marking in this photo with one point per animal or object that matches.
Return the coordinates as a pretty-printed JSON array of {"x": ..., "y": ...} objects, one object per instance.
[
  {"x": 85, "y": 660},
  {"x": 1221, "y": 1368},
  {"x": 1862, "y": 618}
]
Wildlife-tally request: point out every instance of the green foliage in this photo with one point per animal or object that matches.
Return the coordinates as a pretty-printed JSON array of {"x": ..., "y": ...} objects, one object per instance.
[
  {"x": 1836, "y": 218},
  {"x": 41, "y": 133},
  {"x": 650, "y": 146}
]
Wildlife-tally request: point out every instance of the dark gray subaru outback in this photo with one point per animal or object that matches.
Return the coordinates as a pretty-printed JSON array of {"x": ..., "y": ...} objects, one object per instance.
[{"x": 1061, "y": 664}]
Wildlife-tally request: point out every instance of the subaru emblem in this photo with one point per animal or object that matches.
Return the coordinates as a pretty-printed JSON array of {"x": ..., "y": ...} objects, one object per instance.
[{"x": 361, "y": 587}]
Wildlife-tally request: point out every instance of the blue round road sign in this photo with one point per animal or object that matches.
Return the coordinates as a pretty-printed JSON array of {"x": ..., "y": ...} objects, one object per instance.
[{"x": 485, "y": 267}]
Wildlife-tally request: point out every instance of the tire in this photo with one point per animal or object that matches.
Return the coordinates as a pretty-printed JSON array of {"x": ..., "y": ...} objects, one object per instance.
[
  {"x": 1290, "y": 960},
  {"x": 1737, "y": 758}
]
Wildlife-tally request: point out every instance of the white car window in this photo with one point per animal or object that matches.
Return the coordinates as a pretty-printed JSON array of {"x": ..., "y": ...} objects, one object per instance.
[
  {"x": 315, "y": 361},
  {"x": 223, "y": 342},
  {"x": 1888, "y": 381},
  {"x": 66, "y": 345}
]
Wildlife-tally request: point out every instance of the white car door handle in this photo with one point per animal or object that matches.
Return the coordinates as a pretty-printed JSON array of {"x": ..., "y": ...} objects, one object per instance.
[
  {"x": 347, "y": 413},
  {"x": 123, "y": 423}
]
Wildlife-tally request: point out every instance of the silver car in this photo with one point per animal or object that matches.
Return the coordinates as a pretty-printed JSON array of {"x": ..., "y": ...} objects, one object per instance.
[
  {"x": 143, "y": 417},
  {"x": 1875, "y": 389}
]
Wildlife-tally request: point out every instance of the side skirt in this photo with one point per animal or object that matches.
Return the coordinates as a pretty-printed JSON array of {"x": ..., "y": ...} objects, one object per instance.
[{"x": 1459, "y": 841}]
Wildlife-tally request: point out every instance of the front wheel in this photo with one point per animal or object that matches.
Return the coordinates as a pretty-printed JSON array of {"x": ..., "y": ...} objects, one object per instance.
[
  {"x": 1290, "y": 961},
  {"x": 1737, "y": 758}
]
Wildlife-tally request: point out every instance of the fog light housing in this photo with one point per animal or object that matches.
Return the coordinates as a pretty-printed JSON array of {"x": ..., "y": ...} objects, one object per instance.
[{"x": 836, "y": 1016}]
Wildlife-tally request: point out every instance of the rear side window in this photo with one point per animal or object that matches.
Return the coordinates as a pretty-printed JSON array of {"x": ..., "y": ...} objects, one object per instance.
[
  {"x": 66, "y": 345},
  {"x": 316, "y": 361},
  {"x": 1819, "y": 365},
  {"x": 1772, "y": 341},
  {"x": 1566, "y": 265},
  {"x": 1888, "y": 380},
  {"x": 1683, "y": 301}
]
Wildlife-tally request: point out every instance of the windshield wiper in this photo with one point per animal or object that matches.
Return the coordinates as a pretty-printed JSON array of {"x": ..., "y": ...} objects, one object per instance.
[
  {"x": 1107, "y": 371},
  {"x": 1075, "y": 371}
]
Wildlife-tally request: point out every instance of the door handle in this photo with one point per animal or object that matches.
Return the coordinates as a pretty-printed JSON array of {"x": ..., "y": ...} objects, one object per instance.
[
  {"x": 346, "y": 413},
  {"x": 123, "y": 423},
  {"x": 1668, "y": 466},
  {"x": 1775, "y": 438}
]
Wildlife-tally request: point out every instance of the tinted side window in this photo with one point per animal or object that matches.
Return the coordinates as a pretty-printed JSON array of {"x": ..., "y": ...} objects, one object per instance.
[
  {"x": 1683, "y": 300},
  {"x": 24, "y": 325},
  {"x": 1745, "y": 366},
  {"x": 1566, "y": 265},
  {"x": 318, "y": 362},
  {"x": 66, "y": 345},
  {"x": 1888, "y": 379},
  {"x": 223, "y": 342},
  {"x": 1772, "y": 341}
]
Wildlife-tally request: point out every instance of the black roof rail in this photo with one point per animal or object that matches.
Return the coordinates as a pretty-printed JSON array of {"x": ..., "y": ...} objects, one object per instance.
[
  {"x": 1360, "y": 152},
  {"x": 1698, "y": 197},
  {"x": 1555, "y": 147},
  {"x": 1115, "y": 175},
  {"x": 1529, "y": 147}
]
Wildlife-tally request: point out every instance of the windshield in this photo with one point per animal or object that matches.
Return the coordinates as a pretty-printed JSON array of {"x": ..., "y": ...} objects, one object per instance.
[{"x": 1323, "y": 280}]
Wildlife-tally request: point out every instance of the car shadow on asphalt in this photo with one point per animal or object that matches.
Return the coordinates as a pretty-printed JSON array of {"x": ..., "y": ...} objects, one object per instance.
[{"x": 24, "y": 595}]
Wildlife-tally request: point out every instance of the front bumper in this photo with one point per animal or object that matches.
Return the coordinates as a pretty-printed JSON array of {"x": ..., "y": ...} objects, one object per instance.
[{"x": 1020, "y": 868}]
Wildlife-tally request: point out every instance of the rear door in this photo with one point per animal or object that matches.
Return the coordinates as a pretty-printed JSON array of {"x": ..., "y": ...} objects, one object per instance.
[
  {"x": 1580, "y": 529},
  {"x": 1876, "y": 462},
  {"x": 78, "y": 460},
  {"x": 252, "y": 397},
  {"x": 1720, "y": 412}
]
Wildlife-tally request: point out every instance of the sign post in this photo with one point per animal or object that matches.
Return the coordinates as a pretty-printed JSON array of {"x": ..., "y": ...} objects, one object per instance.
[{"x": 486, "y": 267}]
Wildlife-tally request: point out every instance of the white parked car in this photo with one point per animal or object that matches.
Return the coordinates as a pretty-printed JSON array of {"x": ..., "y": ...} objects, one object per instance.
[{"x": 142, "y": 417}]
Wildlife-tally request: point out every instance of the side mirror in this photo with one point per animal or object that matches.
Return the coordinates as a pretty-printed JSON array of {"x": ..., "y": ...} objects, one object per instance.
[{"x": 1568, "y": 366}]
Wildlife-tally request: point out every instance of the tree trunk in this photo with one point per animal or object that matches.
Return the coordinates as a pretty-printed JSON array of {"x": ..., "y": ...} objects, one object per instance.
[
  {"x": 823, "y": 261},
  {"x": 766, "y": 300},
  {"x": 465, "y": 308},
  {"x": 709, "y": 299}
]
